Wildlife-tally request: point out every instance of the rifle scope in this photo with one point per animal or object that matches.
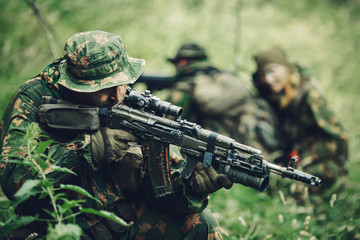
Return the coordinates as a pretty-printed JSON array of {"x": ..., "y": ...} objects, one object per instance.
[{"x": 148, "y": 102}]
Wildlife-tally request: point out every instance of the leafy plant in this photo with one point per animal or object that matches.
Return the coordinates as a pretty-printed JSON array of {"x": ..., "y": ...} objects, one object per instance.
[{"x": 62, "y": 211}]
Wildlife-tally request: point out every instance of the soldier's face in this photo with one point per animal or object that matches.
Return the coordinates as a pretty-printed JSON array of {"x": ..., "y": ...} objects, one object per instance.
[
  {"x": 274, "y": 76},
  {"x": 180, "y": 63},
  {"x": 104, "y": 98}
]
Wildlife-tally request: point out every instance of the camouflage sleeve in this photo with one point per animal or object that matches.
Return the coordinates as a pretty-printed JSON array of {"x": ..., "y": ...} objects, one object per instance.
[
  {"x": 20, "y": 113},
  {"x": 335, "y": 141},
  {"x": 323, "y": 115},
  {"x": 325, "y": 152}
]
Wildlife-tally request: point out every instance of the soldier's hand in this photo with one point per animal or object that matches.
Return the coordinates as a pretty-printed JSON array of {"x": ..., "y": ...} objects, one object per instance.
[
  {"x": 208, "y": 180},
  {"x": 110, "y": 145}
]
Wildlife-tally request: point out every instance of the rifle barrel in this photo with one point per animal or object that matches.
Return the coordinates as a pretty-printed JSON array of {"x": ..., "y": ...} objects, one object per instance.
[{"x": 294, "y": 174}]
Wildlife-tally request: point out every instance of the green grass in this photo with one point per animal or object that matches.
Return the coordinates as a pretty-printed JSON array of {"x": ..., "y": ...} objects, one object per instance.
[{"x": 319, "y": 34}]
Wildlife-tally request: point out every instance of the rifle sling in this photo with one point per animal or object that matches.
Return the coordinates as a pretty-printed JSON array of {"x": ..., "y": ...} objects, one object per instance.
[
  {"x": 210, "y": 147},
  {"x": 191, "y": 160}
]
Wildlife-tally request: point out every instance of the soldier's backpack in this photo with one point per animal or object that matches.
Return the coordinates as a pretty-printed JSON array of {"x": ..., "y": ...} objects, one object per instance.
[{"x": 230, "y": 108}]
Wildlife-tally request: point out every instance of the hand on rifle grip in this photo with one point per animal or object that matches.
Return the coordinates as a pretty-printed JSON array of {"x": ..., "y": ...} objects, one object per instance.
[
  {"x": 208, "y": 180},
  {"x": 110, "y": 145}
]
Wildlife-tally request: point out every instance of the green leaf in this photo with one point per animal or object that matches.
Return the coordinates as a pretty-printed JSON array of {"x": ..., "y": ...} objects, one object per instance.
[
  {"x": 71, "y": 218},
  {"x": 42, "y": 146},
  {"x": 61, "y": 209},
  {"x": 12, "y": 156},
  {"x": 47, "y": 182},
  {"x": 64, "y": 231},
  {"x": 28, "y": 163},
  {"x": 62, "y": 169},
  {"x": 43, "y": 195},
  {"x": 42, "y": 135},
  {"x": 52, "y": 214},
  {"x": 59, "y": 195},
  {"x": 6, "y": 212},
  {"x": 42, "y": 163},
  {"x": 27, "y": 190},
  {"x": 79, "y": 190},
  {"x": 107, "y": 215},
  {"x": 15, "y": 224},
  {"x": 72, "y": 203},
  {"x": 44, "y": 156}
]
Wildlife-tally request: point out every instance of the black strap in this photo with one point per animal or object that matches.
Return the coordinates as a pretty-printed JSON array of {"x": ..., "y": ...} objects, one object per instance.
[{"x": 208, "y": 156}]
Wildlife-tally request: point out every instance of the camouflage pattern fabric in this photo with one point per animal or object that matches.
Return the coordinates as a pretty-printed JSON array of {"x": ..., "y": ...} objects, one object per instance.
[
  {"x": 96, "y": 60},
  {"x": 221, "y": 102},
  {"x": 73, "y": 152},
  {"x": 312, "y": 130},
  {"x": 156, "y": 224}
]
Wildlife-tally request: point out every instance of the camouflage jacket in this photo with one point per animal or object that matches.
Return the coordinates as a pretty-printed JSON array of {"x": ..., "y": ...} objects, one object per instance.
[
  {"x": 222, "y": 102},
  {"x": 312, "y": 129},
  {"x": 74, "y": 153}
]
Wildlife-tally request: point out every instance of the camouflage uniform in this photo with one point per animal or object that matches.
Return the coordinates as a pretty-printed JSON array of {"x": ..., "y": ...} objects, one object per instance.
[
  {"x": 175, "y": 216},
  {"x": 310, "y": 129},
  {"x": 221, "y": 102}
]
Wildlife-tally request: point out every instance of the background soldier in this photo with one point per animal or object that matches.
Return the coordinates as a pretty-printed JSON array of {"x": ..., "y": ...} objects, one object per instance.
[
  {"x": 110, "y": 164},
  {"x": 222, "y": 102},
  {"x": 310, "y": 129}
]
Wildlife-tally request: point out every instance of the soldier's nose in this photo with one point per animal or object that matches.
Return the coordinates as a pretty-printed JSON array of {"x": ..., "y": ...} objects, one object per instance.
[
  {"x": 115, "y": 94},
  {"x": 269, "y": 78}
]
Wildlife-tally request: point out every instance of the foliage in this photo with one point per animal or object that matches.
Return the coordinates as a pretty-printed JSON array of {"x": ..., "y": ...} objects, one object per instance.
[
  {"x": 321, "y": 34},
  {"x": 61, "y": 215},
  {"x": 62, "y": 231},
  {"x": 247, "y": 214}
]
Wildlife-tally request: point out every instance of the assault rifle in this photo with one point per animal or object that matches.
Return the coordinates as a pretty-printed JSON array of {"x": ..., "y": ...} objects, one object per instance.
[{"x": 142, "y": 114}]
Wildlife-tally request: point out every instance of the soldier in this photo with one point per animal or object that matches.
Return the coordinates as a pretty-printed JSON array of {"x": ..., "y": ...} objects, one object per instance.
[
  {"x": 110, "y": 164},
  {"x": 222, "y": 102},
  {"x": 310, "y": 129}
]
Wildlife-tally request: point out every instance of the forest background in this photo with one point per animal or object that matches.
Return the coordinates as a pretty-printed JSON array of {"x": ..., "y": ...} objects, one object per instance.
[{"x": 320, "y": 34}]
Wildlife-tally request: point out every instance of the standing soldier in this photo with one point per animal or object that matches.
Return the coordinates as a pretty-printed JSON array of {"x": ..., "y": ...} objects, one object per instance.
[
  {"x": 221, "y": 102},
  {"x": 311, "y": 130}
]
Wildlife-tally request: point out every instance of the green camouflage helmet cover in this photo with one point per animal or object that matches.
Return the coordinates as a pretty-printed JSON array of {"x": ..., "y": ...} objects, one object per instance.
[
  {"x": 95, "y": 60},
  {"x": 189, "y": 51}
]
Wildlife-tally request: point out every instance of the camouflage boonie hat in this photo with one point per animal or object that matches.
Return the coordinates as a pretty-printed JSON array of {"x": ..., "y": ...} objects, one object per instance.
[
  {"x": 96, "y": 60},
  {"x": 189, "y": 51}
]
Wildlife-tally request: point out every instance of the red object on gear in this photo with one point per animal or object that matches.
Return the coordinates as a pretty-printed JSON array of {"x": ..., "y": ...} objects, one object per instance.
[{"x": 294, "y": 153}]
